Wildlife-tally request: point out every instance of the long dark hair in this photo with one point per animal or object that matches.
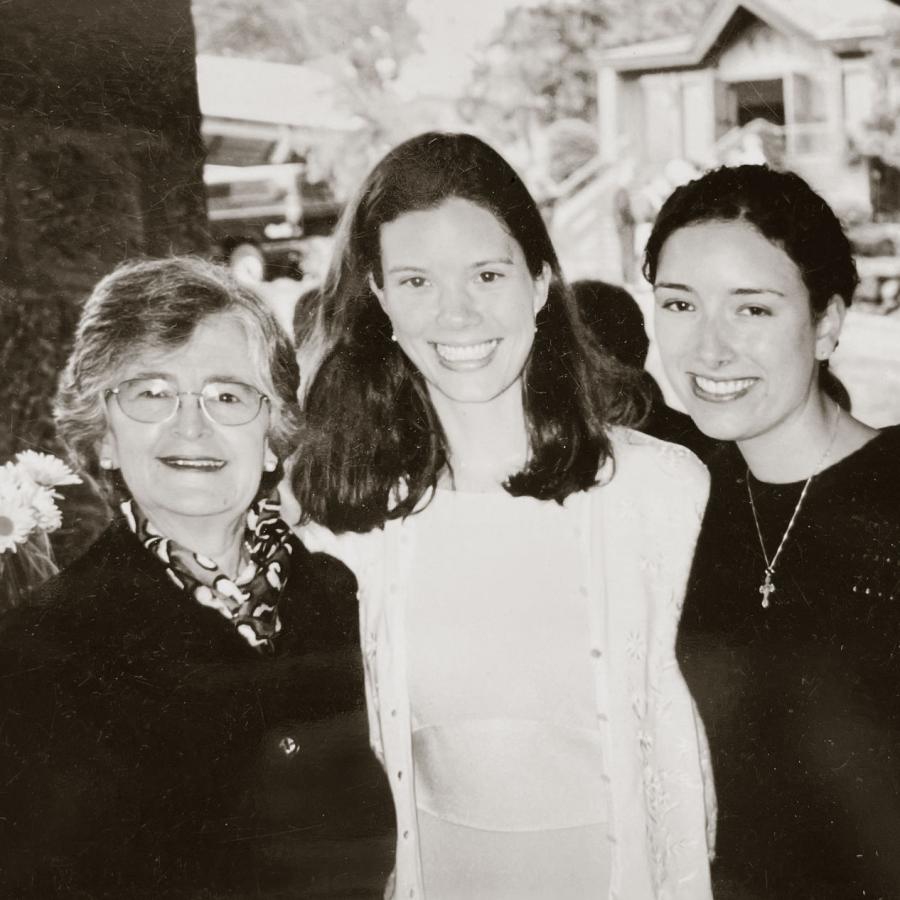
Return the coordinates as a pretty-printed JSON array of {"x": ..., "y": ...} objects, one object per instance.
[
  {"x": 373, "y": 445},
  {"x": 786, "y": 211}
]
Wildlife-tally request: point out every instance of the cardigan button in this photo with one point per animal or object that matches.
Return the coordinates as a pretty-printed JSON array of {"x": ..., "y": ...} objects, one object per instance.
[
  {"x": 288, "y": 746},
  {"x": 596, "y": 652}
]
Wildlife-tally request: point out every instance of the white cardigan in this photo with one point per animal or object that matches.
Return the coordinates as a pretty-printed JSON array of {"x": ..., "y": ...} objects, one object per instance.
[{"x": 638, "y": 529}]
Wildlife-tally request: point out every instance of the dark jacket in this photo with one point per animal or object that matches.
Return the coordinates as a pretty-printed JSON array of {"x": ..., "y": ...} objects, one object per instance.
[{"x": 146, "y": 750}]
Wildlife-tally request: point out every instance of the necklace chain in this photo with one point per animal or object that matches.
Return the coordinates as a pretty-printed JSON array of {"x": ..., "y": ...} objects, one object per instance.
[{"x": 767, "y": 587}]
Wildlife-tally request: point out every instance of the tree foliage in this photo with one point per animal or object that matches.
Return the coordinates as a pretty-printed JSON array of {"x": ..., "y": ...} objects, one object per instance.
[
  {"x": 373, "y": 36},
  {"x": 571, "y": 143}
]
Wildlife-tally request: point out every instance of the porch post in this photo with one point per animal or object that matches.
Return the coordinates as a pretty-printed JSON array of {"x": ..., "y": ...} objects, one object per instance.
[
  {"x": 608, "y": 112},
  {"x": 788, "y": 89}
]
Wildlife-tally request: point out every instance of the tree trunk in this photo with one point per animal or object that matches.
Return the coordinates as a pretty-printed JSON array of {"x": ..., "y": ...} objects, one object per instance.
[{"x": 100, "y": 160}]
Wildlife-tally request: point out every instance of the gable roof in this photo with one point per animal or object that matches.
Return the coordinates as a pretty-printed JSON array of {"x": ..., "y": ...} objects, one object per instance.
[{"x": 839, "y": 24}]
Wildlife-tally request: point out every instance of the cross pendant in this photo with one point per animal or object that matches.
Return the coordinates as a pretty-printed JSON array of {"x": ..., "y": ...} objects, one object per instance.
[{"x": 765, "y": 589}]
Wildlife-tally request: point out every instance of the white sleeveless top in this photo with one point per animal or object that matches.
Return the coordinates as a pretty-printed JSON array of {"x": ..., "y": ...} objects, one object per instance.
[{"x": 510, "y": 796}]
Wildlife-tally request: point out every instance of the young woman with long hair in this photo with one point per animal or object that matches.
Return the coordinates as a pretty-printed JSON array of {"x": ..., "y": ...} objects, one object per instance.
[{"x": 521, "y": 552}]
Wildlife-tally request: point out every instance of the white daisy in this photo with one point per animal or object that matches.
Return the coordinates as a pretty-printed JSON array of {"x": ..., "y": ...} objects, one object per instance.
[
  {"x": 46, "y": 470},
  {"x": 46, "y": 513},
  {"x": 16, "y": 524},
  {"x": 10, "y": 482},
  {"x": 28, "y": 487}
]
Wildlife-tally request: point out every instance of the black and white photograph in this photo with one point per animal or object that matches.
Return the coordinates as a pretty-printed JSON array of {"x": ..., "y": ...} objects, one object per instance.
[{"x": 450, "y": 449}]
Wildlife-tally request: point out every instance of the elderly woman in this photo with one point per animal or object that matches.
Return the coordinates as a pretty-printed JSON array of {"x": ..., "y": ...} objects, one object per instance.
[{"x": 184, "y": 705}]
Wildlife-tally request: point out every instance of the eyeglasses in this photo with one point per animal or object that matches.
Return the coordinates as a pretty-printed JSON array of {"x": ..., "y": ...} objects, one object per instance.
[{"x": 154, "y": 400}]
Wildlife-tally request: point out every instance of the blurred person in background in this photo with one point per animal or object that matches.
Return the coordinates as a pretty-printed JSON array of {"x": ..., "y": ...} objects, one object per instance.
[
  {"x": 615, "y": 319},
  {"x": 623, "y": 217},
  {"x": 521, "y": 553},
  {"x": 183, "y": 706},
  {"x": 790, "y": 630}
]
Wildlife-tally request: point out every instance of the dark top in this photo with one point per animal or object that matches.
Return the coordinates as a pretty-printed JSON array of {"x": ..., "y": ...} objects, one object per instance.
[
  {"x": 147, "y": 751},
  {"x": 801, "y": 701},
  {"x": 669, "y": 424}
]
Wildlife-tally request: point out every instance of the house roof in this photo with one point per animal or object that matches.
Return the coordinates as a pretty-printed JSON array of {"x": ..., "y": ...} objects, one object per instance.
[
  {"x": 249, "y": 90},
  {"x": 840, "y": 24}
]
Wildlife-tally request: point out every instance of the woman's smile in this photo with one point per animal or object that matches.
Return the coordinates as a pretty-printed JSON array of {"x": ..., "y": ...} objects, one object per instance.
[
  {"x": 193, "y": 463},
  {"x": 720, "y": 390},
  {"x": 189, "y": 474},
  {"x": 461, "y": 300},
  {"x": 735, "y": 331},
  {"x": 466, "y": 356}
]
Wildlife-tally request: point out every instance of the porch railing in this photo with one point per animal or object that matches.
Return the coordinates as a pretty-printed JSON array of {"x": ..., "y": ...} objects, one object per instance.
[
  {"x": 803, "y": 139},
  {"x": 783, "y": 145}
]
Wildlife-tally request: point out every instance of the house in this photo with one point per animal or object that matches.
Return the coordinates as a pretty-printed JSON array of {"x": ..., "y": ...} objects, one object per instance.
[{"x": 790, "y": 79}]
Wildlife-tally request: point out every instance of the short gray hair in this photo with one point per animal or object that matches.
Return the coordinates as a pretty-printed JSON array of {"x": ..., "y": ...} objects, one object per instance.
[{"x": 158, "y": 304}]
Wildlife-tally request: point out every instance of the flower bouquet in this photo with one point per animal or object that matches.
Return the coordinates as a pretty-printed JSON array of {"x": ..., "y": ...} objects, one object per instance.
[{"x": 28, "y": 513}]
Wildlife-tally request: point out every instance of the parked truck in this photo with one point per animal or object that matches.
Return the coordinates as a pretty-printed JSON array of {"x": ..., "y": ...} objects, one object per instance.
[{"x": 261, "y": 218}]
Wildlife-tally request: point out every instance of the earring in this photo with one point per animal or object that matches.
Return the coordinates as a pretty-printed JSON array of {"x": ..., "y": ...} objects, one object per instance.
[
  {"x": 270, "y": 464},
  {"x": 825, "y": 353},
  {"x": 393, "y": 337},
  {"x": 106, "y": 463}
]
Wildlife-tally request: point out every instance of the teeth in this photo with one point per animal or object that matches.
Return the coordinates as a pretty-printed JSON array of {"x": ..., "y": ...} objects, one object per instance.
[
  {"x": 195, "y": 463},
  {"x": 722, "y": 388},
  {"x": 466, "y": 352}
]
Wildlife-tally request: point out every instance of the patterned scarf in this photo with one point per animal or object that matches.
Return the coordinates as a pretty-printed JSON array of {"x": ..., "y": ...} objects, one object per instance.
[{"x": 249, "y": 601}]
